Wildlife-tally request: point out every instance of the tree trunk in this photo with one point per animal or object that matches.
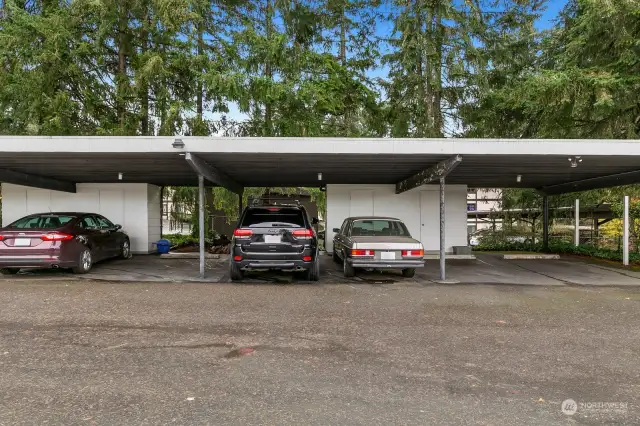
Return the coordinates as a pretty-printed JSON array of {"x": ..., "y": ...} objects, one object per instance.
[
  {"x": 422, "y": 69},
  {"x": 200, "y": 52},
  {"x": 144, "y": 95},
  {"x": 436, "y": 109},
  {"x": 121, "y": 78},
  {"x": 268, "y": 113}
]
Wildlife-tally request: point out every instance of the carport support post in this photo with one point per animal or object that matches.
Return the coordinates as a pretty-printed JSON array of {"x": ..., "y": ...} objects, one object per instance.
[
  {"x": 442, "y": 235},
  {"x": 625, "y": 232},
  {"x": 201, "y": 223},
  {"x": 576, "y": 236},
  {"x": 545, "y": 223}
]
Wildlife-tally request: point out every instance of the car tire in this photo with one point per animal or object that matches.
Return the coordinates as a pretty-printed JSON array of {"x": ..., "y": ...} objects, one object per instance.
[
  {"x": 125, "y": 250},
  {"x": 313, "y": 273},
  {"x": 348, "y": 270},
  {"x": 408, "y": 273},
  {"x": 85, "y": 262},
  {"x": 235, "y": 273},
  {"x": 9, "y": 271},
  {"x": 335, "y": 256}
]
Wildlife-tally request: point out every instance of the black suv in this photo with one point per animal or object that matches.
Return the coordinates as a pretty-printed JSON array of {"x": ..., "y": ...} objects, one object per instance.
[{"x": 274, "y": 237}]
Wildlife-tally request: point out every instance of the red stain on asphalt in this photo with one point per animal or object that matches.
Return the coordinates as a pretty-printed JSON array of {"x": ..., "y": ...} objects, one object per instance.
[{"x": 239, "y": 352}]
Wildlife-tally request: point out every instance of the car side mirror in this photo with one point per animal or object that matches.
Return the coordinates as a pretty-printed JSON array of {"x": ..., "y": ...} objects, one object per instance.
[
  {"x": 336, "y": 230},
  {"x": 315, "y": 221},
  {"x": 117, "y": 227}
]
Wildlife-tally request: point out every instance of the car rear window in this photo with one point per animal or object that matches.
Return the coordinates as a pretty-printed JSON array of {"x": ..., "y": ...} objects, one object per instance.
[
  {"x": 44, "y": 221},
  {"x": 378, "y": 228},
  {"x": 273, "y": 216}
]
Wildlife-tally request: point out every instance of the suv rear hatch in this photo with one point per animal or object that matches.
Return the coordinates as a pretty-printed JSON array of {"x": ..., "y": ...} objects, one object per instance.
[{"x": 273, "y": 230}]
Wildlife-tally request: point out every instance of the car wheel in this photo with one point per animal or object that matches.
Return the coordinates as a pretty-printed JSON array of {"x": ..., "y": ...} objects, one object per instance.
[
  {"x": 313, "y": 274},
  {"x": 125, "y": 250},
  {"x": 85, "y": 262},
  {"x": 335, "y": 256},
  {"x": 235, "y": 273},
  {"x": 348, "y": 270},
  {"x": 408, "y": 273},
  {"x": 9, "y": 271}
]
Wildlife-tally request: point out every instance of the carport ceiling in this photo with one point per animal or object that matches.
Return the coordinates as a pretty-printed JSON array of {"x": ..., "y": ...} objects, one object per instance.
[{"x": 297, "y": 162}]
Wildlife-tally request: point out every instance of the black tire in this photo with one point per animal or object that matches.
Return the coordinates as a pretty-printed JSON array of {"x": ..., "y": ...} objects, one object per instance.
[
  {"x": 313, "y": 273},
  {"x": 85, "y": 262},
  {"x": 125, "y": 249},
  {"x": 9, "y": 271},
  {"x": 408, "y": 273},
  {"x": 235, "y": 273},
  {"x": 348, "y": 270},
  {"x": 335, "y": 256}
]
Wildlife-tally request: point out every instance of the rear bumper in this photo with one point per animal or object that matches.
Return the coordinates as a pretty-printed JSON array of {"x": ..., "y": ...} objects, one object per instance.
[
  {"x": 295, "y": 265},
  {"x": 385, "y": 264},
  {"x": 33, "y": 262}
]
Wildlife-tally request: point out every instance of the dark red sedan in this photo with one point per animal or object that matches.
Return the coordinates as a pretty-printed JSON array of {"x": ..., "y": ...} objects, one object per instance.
[{"x": 61, "y": 240}]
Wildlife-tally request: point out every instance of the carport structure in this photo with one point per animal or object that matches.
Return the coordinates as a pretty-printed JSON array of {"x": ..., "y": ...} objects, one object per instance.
[{"x": 550, "y": 166}]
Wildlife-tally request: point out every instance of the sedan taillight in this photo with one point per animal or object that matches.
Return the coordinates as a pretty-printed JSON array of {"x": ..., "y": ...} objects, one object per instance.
[
  {"x": 362, "y": 252},
  {"x": 412, "y": 253},
  {"x": 56, "y": 236}
]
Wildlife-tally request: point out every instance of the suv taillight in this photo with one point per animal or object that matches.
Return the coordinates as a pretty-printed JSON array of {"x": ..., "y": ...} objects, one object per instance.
[
  {"x": 56, "y": 236},
  {"x": 360, "y": 252},
  {"x": 243, "y": 232},
  {"x": 412, "y": 253},
  {"x": 303, "y": 233}
]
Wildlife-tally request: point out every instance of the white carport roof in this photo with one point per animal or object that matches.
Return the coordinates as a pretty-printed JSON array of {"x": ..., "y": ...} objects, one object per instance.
[{"x": 60, "y": 161}]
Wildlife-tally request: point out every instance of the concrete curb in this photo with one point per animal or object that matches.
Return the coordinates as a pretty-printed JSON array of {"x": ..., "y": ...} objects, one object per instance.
[
  {"x": 190, "y": 256},
  {"x": 450, "y": 257},
  {"x": 531, "y": 256}
]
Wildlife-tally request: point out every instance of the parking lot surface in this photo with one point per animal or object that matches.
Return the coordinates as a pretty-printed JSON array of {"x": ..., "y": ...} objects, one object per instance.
[
  {"x": 486, "y": 269},
  {"x": 95, "y": 352}
]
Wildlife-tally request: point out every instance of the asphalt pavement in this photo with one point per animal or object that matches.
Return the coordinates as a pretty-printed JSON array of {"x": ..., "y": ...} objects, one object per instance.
[{"x": 353, "y": 353}]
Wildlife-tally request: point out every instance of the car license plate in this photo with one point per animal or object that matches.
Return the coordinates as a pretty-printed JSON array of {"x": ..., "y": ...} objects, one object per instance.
[
  {"x": 272, "y": 239},
  {"x": 22, "y": 242},
  {"x": 387, "y": 255}
]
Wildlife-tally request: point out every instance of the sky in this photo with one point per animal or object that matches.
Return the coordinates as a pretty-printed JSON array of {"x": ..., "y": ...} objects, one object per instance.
[{"x": 546, "y": 21}]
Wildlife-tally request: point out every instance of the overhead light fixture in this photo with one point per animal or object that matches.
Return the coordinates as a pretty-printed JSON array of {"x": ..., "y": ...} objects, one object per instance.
[
  {"x": 182, "y": 154},
  {"x": 519, "y": 178},
  {"x": 319, "y": 176},
  {"x": 575, "y": 160},
  {"x": 178, "y": 144},
  {"x": 119, "y": 176}
]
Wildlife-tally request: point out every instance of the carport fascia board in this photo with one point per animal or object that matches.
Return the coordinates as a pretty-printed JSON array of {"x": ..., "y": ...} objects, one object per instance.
[
  {"x": 310, "y": 145},
  {"x": 440, "y": 170},
  {"x": 36, "y": 181},
  {"x": 618, "y": 179},
  {"x": 212, "y": 174}
]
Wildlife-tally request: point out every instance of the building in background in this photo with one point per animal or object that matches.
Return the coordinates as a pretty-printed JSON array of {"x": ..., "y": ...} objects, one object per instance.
[{"x": 481, "y": 203}]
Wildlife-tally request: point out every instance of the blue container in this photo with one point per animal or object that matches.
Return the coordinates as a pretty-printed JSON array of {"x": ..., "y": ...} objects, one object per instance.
[{"x": 163, "y": 246}]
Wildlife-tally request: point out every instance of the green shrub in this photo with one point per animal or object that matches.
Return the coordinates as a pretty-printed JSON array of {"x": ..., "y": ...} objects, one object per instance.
[
  {"x": 180, "y": 239},
  {"x": 558, "y": 247}
]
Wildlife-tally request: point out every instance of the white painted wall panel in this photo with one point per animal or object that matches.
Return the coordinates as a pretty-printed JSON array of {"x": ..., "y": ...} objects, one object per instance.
[
  {"x": 361, "y": 203},
  {"x": 408, "y": 207},
  {"x": 154, "y": 203},
  {"x": 126, "y": 204}
]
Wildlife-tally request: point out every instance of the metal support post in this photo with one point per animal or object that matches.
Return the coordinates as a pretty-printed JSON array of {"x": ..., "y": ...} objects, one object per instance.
[
  {"x": 442, "y": 233},
  {"x": 625, "y": 232},
  {"x": 576, "y": 235},
  {"x": 545, "y": 223},
  {"x": 201, "y": 222}
]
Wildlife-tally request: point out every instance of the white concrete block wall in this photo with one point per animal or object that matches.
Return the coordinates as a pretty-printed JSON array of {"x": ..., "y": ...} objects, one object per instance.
[
  {"x": 126, "y": 204},
  {"x": 415, "y": 207},
  {"x": 154, "y": 204}
]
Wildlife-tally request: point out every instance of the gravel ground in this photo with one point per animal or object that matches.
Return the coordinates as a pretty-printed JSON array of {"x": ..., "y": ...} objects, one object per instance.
[{"x": 80, "y": 352}]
